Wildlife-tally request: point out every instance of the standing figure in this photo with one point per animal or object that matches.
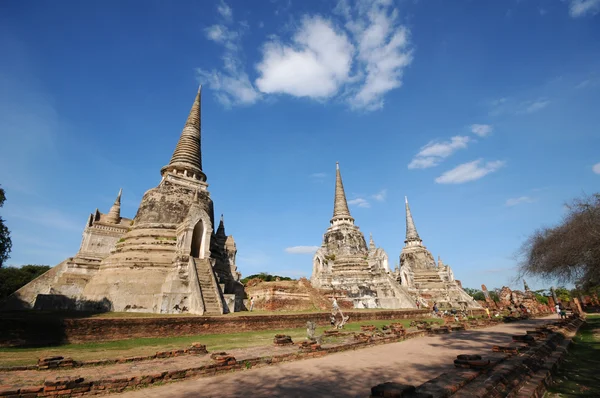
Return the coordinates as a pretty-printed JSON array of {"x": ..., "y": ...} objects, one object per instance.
[{"x": 251, "y": 303}]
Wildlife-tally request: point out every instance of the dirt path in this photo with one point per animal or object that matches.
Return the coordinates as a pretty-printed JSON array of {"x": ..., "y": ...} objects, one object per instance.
[{"x": 346, "y": 374}]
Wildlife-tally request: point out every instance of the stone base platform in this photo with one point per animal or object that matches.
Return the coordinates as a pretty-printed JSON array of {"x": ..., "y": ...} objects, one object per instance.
[{"x": 18, "y": 330}]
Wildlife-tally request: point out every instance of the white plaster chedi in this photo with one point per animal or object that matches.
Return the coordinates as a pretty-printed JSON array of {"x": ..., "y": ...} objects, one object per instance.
[
  {"x": 168, "y": 259},
  {"x": 428, "y": 281},
  {"x": 345, "y": 263}
]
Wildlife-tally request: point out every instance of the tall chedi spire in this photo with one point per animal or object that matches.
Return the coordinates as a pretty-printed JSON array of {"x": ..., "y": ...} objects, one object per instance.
[
  {"x": 221, "y": 227},
  {"x": 412, "y": 236},
  {"x": 187, "y": 157},
  {"x": 114, "y": 214},
  {"x": 340, "y": 205}
]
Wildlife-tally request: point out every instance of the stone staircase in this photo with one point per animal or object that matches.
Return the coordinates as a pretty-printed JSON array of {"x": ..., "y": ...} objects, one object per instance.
[
  {"x": 209, "y": 294},
  {"x": 428, "y": 280}
]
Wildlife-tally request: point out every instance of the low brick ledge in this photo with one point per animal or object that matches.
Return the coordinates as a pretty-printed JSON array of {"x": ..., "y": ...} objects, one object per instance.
[
  {"x": 521, "y": 375},
  {"x": 60, "y": 362},
  {"x": 537, "y": 385}
]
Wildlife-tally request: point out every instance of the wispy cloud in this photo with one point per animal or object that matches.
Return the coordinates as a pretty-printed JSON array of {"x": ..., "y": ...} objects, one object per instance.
[
  {"x": 580, "y": 8},
  {"x": 434, "y": 152},
  {"x": 225, "y": 11},
  {"x": 533, "y": 106},
  {"x": 357, "y": 61},
  {"x": 510, "y": 106},
  {"x": 520, "y": 200},
  {"x": 359, "y": 202},
  {"x": 596, "y": 168},
  {"x": 470, "y": 171},
  {"x": 318, "y": 176},
  {"x": 232, "y": 84},
  {"x": 301, "y": 249},
  {"x": 380, "y": 196},
  {"x": 482, "y": 130}
]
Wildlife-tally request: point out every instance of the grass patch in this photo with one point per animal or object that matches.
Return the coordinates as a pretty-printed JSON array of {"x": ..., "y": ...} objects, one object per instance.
[
  {"x": 578, "y": 374},
  {"x": 148, "y": 346}
]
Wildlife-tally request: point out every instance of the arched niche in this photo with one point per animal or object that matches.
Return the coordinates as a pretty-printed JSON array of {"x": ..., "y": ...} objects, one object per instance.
[{"x": 198, "y": 240}]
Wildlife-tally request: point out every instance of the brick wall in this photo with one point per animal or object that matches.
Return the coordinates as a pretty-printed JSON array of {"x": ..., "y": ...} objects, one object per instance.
[{"x": 32, "y": 331}]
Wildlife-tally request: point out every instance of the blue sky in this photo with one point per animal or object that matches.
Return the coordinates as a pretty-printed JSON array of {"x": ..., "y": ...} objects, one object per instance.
[{"x": 484, "y": 113}]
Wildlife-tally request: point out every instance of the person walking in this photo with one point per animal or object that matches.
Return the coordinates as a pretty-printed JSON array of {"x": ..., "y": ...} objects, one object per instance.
[
  {"x": 487, "y": 311},
  {"x": 251, "y": 303},
  {"x": 557, "y": 307}
]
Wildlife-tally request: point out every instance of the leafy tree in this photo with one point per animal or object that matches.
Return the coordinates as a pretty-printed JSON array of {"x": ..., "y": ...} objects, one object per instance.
[
  {"x": 563, "y": 294},
  {"x": 5, "y": 242},
  {"x": 475, "y": 293},
  {"x": 494, "y": 296},
  {"x": 570, "y": 251},
  {"x": 265, "y": 277},
  {"x": 12, "y": 278}
]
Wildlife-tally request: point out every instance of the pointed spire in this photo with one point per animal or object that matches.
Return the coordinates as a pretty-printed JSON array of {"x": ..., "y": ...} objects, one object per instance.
[
  {"x": 187, "y": 156},
  {"x": 411, "y": 231},
  {"x": 340, "y": 205},
  {"x": 221, "y": 228},
  {"x": 114, "y": 214},
  {"x": 371, "y": 242},
  {"x": 526, "y": 286}
]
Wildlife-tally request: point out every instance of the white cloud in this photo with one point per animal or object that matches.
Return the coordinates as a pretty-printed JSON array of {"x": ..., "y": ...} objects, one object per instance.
[
  {"x": 580, "y": 8},
  {"x": 315, "y": 64},
  {"x": 301, "y": 249},
  {"x": 357, "y": 62},
  {"x": 482, "y": 130},
  {"x": 232, "y": 84},
  {"x": 534, "y": 106},
  {"x": 596, "y": 168},
  {"x": 225, "y": 11},
  {"x": 360, "y": 202},
  {"x": 380, "y": 196},
  {"x": 384, "y": 50},
  {"x": 470, "y": 171},
  {"x": 519, "y": 200},
  {"x": 434, "y": 152}
]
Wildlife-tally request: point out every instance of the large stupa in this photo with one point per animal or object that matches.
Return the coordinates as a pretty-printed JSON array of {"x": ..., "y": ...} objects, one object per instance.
[{"x": 167, "y": 259}]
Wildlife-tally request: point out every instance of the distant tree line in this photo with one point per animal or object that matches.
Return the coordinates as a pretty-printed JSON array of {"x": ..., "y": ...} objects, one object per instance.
[
  {"x": 478, "y": 294},
  {"x": 265, "y": 277},
  {"x": 5, "y": 242},
  {"x": 12, "y": 278}
]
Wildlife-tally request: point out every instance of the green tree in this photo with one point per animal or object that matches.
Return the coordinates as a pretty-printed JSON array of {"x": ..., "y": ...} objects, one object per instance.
[
  {"x": 475, "y": 293},
  {"x": 5, "y": 242},
  {"x": 265, "y": 277},
  {"x": 12, "y": 278},
  {"x": 570, "y": 251}
]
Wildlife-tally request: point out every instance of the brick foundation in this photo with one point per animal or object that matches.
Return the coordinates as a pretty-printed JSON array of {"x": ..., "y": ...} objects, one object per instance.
[{"x": 32, "y": 332}]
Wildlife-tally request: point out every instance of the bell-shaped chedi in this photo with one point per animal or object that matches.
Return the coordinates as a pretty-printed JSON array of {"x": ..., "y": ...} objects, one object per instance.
[
  {"x": 168, "y": 258},
  {"x": 345, "y": 264},
  {"x": 428, "y": 281}
]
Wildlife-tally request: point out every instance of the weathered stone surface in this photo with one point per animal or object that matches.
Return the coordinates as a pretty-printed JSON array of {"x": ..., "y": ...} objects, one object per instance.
[
  {"x": 170, "y": 245},
  {"x": 345, "y": 263},
  {"x": 427, "y": 281}
]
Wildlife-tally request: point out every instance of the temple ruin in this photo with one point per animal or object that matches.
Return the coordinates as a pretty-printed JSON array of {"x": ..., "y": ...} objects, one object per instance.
[
  {"x": 345, "y": 264},
  {"x": 167, "y": 259},
  {"x": 428, "y": 281}
]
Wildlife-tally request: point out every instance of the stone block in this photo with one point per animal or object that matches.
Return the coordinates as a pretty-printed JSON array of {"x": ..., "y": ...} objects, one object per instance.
[{"x": 393, "y": 390}]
